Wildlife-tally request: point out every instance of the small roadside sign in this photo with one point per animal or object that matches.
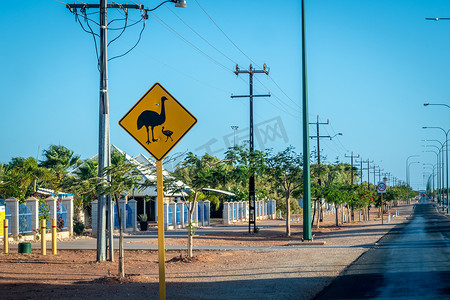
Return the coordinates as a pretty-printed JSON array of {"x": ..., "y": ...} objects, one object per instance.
[
  {"x": 381, "y": 187},
  {"x": 158, "y": 121},
  {"x": 2, "y": 219}
]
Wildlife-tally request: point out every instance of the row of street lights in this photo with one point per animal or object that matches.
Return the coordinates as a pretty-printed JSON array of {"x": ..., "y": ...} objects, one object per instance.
[{"x": 440, "y": 161}]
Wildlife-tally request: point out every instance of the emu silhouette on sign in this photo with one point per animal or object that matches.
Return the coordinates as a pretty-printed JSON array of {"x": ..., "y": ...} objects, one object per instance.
[
  {"x": 167, "y": 133},
  {"x": 149, "y": 118}
]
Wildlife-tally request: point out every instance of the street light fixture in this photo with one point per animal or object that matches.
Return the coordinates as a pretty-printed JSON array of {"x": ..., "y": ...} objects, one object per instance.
[
  {"x": 439, "y": 104},
  {"x": 179, "y": 3},
  {"x": 339, "y": 133},
  {"x": 407, "y": 168}
]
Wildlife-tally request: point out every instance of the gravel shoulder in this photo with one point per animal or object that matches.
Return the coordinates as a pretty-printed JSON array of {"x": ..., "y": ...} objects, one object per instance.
[{"x": 273, "y": 271}]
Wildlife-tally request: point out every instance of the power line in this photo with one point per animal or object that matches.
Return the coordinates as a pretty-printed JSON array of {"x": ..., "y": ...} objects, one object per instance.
[
  {"x": 297, "y": 108},
  {"x": 123, "y": 30},
  {"x": 205, "y": 40},
  {"x": 273, "y": 80},
  {"x": 225, "y": 34},
  {"x": 182, "y": 73},
  {"x": 135, "y": 45},
  {"x": 187, "y": 42}
]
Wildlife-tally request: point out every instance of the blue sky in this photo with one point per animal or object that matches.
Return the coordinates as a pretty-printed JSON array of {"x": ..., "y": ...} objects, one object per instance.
[{"x": 371, "y": 66}]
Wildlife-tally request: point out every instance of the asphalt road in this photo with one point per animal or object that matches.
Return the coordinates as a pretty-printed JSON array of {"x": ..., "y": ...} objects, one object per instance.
[{"x": 411, "y": 262}]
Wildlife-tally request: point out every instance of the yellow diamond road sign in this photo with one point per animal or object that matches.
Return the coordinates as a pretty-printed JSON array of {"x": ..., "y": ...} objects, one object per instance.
[{"x": 158, "y": 121}]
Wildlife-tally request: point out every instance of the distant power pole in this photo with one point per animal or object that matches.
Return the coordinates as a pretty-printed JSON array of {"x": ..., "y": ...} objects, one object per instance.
[
  {"x": 251, "y": 186},
  {"x": 352, "y": 156},
  {"x": 361, "y": 169},
  {"x": 374, "y": 176},
  {"x": 368, "y": 172},
  {"x": 318, "y": 137}
]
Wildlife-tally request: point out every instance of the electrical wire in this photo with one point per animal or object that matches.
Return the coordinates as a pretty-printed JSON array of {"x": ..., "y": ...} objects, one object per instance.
[
  {"x": 155, "y": 17},
  {"x": 86, "y": 18},
  {"x": 229, "y": 39},
  {"x": 296, "y": 108},
  {"x": 339, "y": 141},
  {"x": 135, "y": 45},
  {"x": 90, "y": 32},
  {"x": 81, "y": 24},
  {"x": 182, "y": 73},
  {"x": 128, "y": 26},
  {"x": 273, "y": 80},
  {"x": 205, "y": 40},
  {"x": 124, "y": 27}
]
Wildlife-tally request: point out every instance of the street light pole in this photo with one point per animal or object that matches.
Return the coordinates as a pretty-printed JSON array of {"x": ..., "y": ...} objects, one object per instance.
[
  {"x": 438, "y": 172},
  {"x": 407, "y": 171},
  {"x": 409, "y": 174},
  {"x": 431, "y": 166},
  {"x": 307, "y": 233},
  {"x": 441, "y": 166},
  {"x": 446, "y": 159}
]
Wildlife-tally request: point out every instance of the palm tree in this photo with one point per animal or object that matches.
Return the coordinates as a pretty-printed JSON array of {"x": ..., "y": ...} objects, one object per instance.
[
  {"x": 60, "y": 159},
  {"x": 20, "y": 177},
  {"x": 83, "y": 185}
]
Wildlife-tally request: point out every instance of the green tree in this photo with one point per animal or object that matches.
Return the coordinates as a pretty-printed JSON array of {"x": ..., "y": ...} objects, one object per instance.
[
  {"x": 60, "y": 159},
  {"x": 243, "y": 165},
  {"x": 335, "y": 193},
  {"x": 20, "y": 177},
  {"x": 83, "y": 185},
  {"x": 284, "y": 168},
  {"x": 191, "y": 176},
  {"x": 124, "y": 177}
]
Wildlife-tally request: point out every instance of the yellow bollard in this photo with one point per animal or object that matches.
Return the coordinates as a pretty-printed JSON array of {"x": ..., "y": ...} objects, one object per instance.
[
  {"x": 5, "y": 236},
  {"x": 54, "y": 236},
  {"x": 43, "y": 241}
]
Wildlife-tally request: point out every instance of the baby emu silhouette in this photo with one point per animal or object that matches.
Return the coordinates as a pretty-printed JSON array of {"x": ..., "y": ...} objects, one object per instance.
[{"x": 167, "y": 133}]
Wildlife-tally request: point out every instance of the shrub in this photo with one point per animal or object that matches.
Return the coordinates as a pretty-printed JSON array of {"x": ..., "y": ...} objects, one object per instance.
[
  {"x": 78, "y": 227},
  {"x": 295, "y": 208}
]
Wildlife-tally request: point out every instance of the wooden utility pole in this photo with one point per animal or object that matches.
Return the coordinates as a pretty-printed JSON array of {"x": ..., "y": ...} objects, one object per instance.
[
  {"x": 104, "y": 144},
  {"x": 319, "y": 180},
  {"x": 251, "y": 185},
  {"x": 352, "y": 156}
]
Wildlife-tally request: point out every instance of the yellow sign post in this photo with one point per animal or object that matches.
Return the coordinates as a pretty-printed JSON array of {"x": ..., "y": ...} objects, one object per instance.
[
  {"x": 161, "y": 243},
  {"x": 158, "y": 122}
]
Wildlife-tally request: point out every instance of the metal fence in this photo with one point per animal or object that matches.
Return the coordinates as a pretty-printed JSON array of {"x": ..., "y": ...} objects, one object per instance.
[
  {"x": 61, "y": 216},
  {"x": 169, "y": 218},
  {"x": 128, "y": 217},
  {"x": 24, "y": 219},
  {"x": 44, "y": 213},
  {"x": 178, "y": 214}
]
